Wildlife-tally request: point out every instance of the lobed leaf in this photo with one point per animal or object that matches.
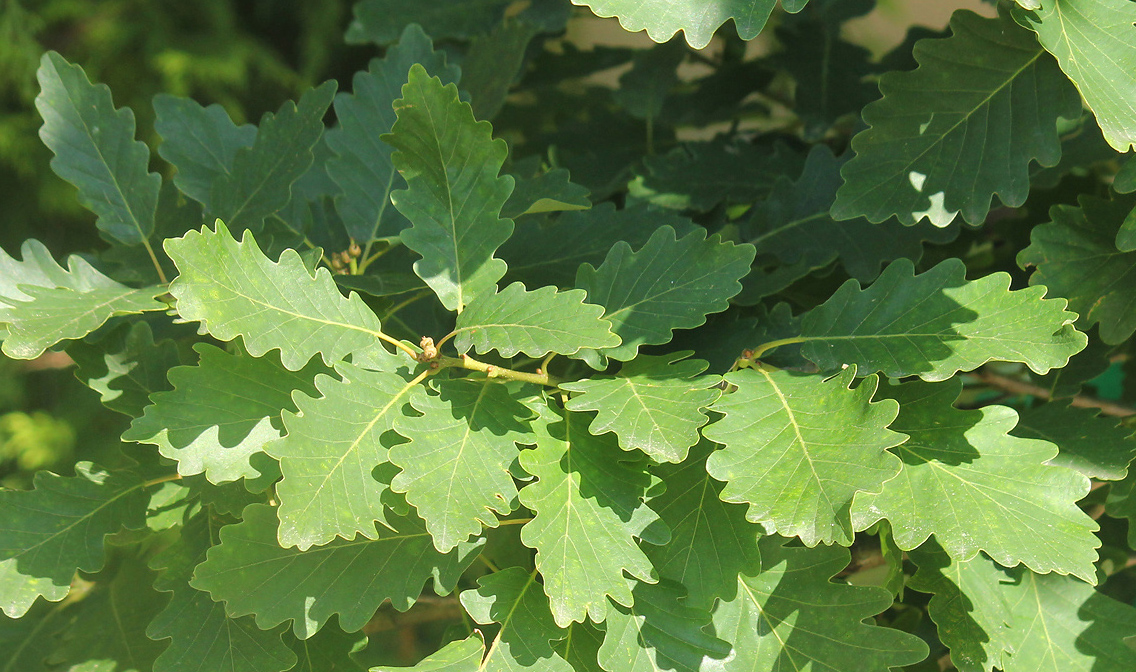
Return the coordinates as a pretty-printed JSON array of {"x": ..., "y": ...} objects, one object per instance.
[
  {"x": 201, "y": 142},
  {"x": 451, "y": 165},
  {"x": 95, "y": 150},
  {"x": 962, "y": 127},
  {"x": 937, "y": 323},
  {"x": 126, "y": 367},
  {"x": 798, "y": 448},
  {"x": 662, "y": 19},
  {"x": 1095, "y": 445},
  {"x": 550, "y": 191},
  {"x": 463, "y": 655},
  {"x": 966, "y": 480},
  {"x": 654, "y": 404}
]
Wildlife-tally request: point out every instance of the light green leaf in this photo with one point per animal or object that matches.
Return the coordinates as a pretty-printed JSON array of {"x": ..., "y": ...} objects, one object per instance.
[
  {"x": 550, "y": 191},
  {"x": 95, "y": 150},
  {"x": 791, "y": 616},
  {"x": 455, "y": 469},
  {"x": 201, "y": 142},
  {"x": 975, "y": 487},
  {"x": 700, "y": 521},
  {"x": 797, "y": 449},
  {"x": 379, "y": 21},
  {"x": 663, "y": 18},
  {"x": 1095, "y": 445},
  {"x": 535, "y": 323},
  {"x": 1018, "y": 621},
  {"x": 49, "y": 532},
  {"x": 1077, "y": 258},
  {"x": 654, "y": 404},
  {"x": 42, "y": 304},
  {"x": 1092, "y": 41},
  {"x": 328, "y": 452},
  {"x": 549, "y": 252},
  {"x": 234, "y": 290},
  {"x": 260, "y": 182},
  {"x": 660, "y": 633},
  {"x": 463, "y": 655},
  {"x": 362, "y": 167},
  {"x": 451, "y": 165},
  {"x": 513, "y": 598},
  {"x": 203, "y": 638},
  {"x": 588, "y": 508},
  {"x": 950, "y": 134},
  {"x": 938, "y": 323},
  {"x": 670, "y": 283},
  {"x": 221, "y": 412},
  {"x": 254, "y": 575}
]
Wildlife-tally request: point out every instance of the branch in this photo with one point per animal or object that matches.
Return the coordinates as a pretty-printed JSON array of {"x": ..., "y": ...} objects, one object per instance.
[{"x": 1081, "y": 401}]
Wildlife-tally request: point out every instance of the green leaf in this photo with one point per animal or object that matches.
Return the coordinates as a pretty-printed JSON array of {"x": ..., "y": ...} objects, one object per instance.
[
  {"x": 260, "y": 182},
  {"x": 126, "y": 367},
  {"x": 662, "y": 18},
  {"x": 379, "y": 21},
  {"x": 581, "y": 647},
  {"x": 362, "y": 167},
  {"x": 455, "y": 469},
  {"x": 1121, "y": 503},
  {"x": 962, "y": 127},
  {"x": 791, "y": 616},
  {"x": 254, "y": 575},
  {"x": 700, "y": 521},
  {"x": 669, "y": 283},
  {"x": 660, "y": 633},
  {"x": 1090, "y": 40},
  {"x": 1095, "y": 445},
  {"x": 1019, "y": 621},
  {"x": 975, "y": 487},
  {"x": 463, "y": 655},
  {"x": 535, "y": 323},
  {"x": 201, "y": 142},
  {"x": 49, "y": 532},
  {"x": 328, "y": 452},
  {"x": 798, "y": 448},
  {"x": 654, "y": 404},
  {"x": 330, "y": 649},
  {"x": 513, "y": 598},
  {"x": 1076, "y": 257},
  {"x": 588, "y": 508},
  {"x": 234, "y": 290},
  {"x": 493, "y": 63},
  {"x": 221, "y": 412},
  {"x": 794, "y": 225},
  {"x": 95, "y": 150},
  {"x": 42, "y": 304},
  {"x": 451, "y": 165},
  {"x": 654, "y": 72},
  {"x": 203, "y": 637},
  {"x": 549, "y": 191},
  {"x": 549, "y": 252},
  {"x": 938, "y": 323}
]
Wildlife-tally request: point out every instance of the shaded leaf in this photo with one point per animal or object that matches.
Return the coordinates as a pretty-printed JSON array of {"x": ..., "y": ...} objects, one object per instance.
[
  {"x": 790, "y": 615},
  {"x": 662, "y": 19},
  {"x": 669, "y": 283},
  {"x": 654, "y": 72},
  {"x": 588, "y": 508},
  {"x": 548, "y": 191},
  {"x": 513, "y": 598},
  {"x": 975, "y": 487},
  {"x": 126, "y": 367},
  {"x": 260, "y": 182},
  {"x": 380, "y": 21},
  {"x": 201, "y": 142},
  {"x": 798, "y": 448},
  {"x": 220, "y": 412},
  {"x": 455, "y": 468},
  {"x": 962, "y": 127},
  {"x": 49, "y": 532},
  {"x": 1088, "y": 37},
  {"x": 938, "y": 323},
  {"x": 451, "y": 165},
  {"x": 493, "y": 63},
  {"x": 234, "y": 290},
  {"x": 362, "y": 166},
  {"x": 654, "y": 404},
  {"x": 463, "y": 655},
  {"x": 327, "y": 454},
  {"x": 1095, "y": 445},
  {"x": 535, "y": 323},
  {"x": 1076, "y": 257},
  {"x": 727, "y": 336},
  {"x": 95, "y": 150},
  {"x": 254, "y": 575}
]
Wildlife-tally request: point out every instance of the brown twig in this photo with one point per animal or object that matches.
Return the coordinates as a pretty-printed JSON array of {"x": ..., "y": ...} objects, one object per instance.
[{"x": 1081, "y": 400}]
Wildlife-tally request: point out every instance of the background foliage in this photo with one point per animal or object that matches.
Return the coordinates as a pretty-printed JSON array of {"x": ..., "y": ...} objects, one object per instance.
[{"x": 441, "y": 335}]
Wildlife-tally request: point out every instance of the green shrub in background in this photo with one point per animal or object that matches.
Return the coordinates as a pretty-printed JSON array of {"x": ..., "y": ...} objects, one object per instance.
[{"x": 754, "y": 362}]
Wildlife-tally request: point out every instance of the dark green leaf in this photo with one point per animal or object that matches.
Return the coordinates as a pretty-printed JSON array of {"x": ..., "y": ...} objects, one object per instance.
[
  {"x": 548, "y": 191},
  {"x": 1095, "y": 445},
  {"x": 201, "y": 142},
  {"x": 126, "y": 367},
  {"x": 492, "y": 65},
  {"x": 380, "y": 21},
  {"x": 515, "y": 599}
]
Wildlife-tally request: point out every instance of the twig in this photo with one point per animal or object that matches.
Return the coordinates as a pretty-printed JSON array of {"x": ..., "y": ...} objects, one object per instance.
[{"x": 1080, "y": 401}]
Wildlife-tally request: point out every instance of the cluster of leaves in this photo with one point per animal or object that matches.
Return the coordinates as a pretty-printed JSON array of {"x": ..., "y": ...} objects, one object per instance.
[{"x": 623, "y": 399}]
